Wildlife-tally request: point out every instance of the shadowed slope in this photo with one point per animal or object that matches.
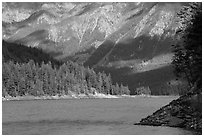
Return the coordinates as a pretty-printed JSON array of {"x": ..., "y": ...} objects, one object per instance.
[{"x": 19, "y": 53}]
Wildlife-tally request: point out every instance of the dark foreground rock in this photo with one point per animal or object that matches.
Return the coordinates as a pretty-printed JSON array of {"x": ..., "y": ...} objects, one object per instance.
[{"x": 184, "y": 112}]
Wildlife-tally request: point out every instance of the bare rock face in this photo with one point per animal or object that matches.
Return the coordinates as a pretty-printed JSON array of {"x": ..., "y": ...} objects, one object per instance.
[{"x": 72, "y": 27}]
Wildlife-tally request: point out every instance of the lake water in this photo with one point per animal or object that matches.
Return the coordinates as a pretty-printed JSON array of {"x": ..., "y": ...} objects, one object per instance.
[{"x": 83, "y": 116}]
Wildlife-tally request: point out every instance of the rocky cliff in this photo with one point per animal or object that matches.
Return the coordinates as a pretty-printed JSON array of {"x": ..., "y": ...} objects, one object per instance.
[{"x": 79, "y": 26}]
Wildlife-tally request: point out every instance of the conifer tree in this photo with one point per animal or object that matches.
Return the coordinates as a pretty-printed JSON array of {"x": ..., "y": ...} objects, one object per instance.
[{"x": 188, "y": 51}]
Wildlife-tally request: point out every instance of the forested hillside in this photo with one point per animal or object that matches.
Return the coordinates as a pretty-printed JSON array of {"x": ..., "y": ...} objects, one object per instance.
[
  {"x": 20, "y": 53},
  {"x": 29, "y": 71}
]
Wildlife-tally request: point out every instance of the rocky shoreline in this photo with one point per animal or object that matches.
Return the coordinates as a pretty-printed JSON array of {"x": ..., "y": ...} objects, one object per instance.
[
  {"x": 184, "y": 112},
  {"x": 71, "y": 96}
]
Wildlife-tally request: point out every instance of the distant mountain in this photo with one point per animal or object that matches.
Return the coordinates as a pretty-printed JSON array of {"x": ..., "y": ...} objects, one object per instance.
[
  {"x": 78, "y": 26},
  {"x": 135, "y": 37}
]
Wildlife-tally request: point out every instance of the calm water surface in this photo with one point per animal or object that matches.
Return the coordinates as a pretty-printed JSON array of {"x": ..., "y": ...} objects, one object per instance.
[{"x": 83, "y": 116}]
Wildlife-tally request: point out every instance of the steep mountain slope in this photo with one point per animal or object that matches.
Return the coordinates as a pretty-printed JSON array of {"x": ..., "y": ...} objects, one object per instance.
[
  {"x": 77, "y": 26},
  {"x": 135, "y": 37}
]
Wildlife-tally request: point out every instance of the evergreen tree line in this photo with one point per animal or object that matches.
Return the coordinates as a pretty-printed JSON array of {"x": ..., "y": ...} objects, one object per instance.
[{"x": 19, "y": 79}]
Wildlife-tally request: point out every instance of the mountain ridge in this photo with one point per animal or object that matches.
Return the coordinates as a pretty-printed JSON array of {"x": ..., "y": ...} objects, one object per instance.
[
  {"x": 101, "y": 21},
  {"x": 98, "y": 35}
]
